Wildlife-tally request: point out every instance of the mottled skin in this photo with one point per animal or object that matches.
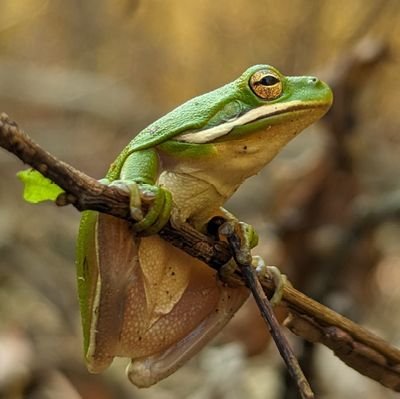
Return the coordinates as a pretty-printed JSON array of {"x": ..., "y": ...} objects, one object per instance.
[{"x": 142, "y": 298}]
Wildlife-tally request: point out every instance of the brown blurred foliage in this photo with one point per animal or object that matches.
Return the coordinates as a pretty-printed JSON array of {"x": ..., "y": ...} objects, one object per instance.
[{"x": 83, "y": 77}]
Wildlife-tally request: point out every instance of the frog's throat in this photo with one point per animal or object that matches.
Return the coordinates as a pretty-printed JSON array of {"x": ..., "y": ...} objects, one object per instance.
[{"x": 259, "y": 113}]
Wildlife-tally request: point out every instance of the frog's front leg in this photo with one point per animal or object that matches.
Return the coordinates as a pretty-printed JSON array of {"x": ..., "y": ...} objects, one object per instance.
[{"x": 138, "y": 176}]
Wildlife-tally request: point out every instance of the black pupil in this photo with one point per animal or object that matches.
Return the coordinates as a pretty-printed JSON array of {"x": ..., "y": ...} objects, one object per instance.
[{"x": 269, "y": 80}]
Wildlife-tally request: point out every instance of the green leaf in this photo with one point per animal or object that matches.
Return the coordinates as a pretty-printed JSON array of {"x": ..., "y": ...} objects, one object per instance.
[{"x": 37, "y": 187}]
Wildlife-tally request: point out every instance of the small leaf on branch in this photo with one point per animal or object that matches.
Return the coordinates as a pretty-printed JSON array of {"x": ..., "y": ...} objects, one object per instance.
[{"x": 38, "y": 188}]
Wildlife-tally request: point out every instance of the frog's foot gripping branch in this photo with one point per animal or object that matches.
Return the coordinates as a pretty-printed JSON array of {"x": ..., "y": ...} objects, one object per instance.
[
  {"x": 156, "y": 200},
  {"x": 228, "y": 274},
  {"x": 249, "y": 238}
]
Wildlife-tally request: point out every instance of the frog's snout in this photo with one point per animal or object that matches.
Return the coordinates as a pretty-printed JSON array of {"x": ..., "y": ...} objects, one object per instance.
[{"x": 322, "y": 88}]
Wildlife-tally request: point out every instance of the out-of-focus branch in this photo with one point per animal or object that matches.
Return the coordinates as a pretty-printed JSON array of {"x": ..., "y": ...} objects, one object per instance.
[
  {"x": 75, "y": 91},
  {"x": 360, "y": 349}
]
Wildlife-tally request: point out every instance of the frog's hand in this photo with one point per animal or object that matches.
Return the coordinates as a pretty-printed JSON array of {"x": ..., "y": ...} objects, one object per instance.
[
  {"x": 203, "y": 309},
  {"x": 106, "y": 264}
]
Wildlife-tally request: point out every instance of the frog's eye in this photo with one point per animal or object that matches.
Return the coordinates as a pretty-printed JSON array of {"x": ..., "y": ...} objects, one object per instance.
[{"x": 266, "y": 85}]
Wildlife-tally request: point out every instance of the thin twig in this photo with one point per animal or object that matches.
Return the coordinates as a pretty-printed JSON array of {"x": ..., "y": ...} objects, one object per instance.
[{"x": 243, "y": 258}]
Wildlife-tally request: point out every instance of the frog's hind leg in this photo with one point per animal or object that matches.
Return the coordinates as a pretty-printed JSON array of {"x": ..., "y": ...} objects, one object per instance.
[{"x": 146, "y": 371}]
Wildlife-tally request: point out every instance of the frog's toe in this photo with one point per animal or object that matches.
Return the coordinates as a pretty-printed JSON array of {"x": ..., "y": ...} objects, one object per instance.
[
  {"x": 135, "y": 196},
  {"x": 105, "y": 181},
  {"x": 136, "y": 213},
  {"x": 163, "y": 216},
  {"x": 279, "y": 279},
  {"x": 250, "y": 234},
  {"x": 159, "y": 202},
  {"x": 123, "y": 185}
]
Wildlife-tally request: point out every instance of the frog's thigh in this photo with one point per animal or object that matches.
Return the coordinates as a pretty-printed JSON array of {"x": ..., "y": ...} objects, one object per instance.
[{"x": 199, "y": 309}]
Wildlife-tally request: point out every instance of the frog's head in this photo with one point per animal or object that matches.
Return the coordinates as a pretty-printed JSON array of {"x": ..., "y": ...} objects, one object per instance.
[{"x": 262, "y": 100}]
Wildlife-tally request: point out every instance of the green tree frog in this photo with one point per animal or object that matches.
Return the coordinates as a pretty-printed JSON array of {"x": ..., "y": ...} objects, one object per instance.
[{"x": 142, "y": 298}]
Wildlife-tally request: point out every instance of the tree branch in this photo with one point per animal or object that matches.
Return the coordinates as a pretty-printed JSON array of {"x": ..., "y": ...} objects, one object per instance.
[{"x": 357, "y": 347}]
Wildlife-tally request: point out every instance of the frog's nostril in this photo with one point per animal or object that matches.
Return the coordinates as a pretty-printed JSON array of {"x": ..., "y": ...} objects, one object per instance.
[{"x": 313, "y": 80}]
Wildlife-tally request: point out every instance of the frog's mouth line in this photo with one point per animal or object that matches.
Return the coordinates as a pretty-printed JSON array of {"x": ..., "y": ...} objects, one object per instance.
[
  {"x": 260, "y": 113},
  {"x": 300, "y": 107}
]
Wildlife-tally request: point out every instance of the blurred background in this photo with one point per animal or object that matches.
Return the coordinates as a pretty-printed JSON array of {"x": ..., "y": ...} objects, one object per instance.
[{"x": 84, "y": 77}]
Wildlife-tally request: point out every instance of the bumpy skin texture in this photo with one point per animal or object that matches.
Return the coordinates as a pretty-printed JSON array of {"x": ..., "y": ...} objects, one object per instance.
[{"x": 141, "y": 297}]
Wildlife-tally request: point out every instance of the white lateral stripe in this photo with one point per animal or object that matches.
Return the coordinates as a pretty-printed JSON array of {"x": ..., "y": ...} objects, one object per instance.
[{"x": 205, "y": 136}]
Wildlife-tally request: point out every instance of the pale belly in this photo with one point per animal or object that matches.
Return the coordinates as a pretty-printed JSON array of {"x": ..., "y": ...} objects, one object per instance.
[{"x": 202, "y": 184}]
